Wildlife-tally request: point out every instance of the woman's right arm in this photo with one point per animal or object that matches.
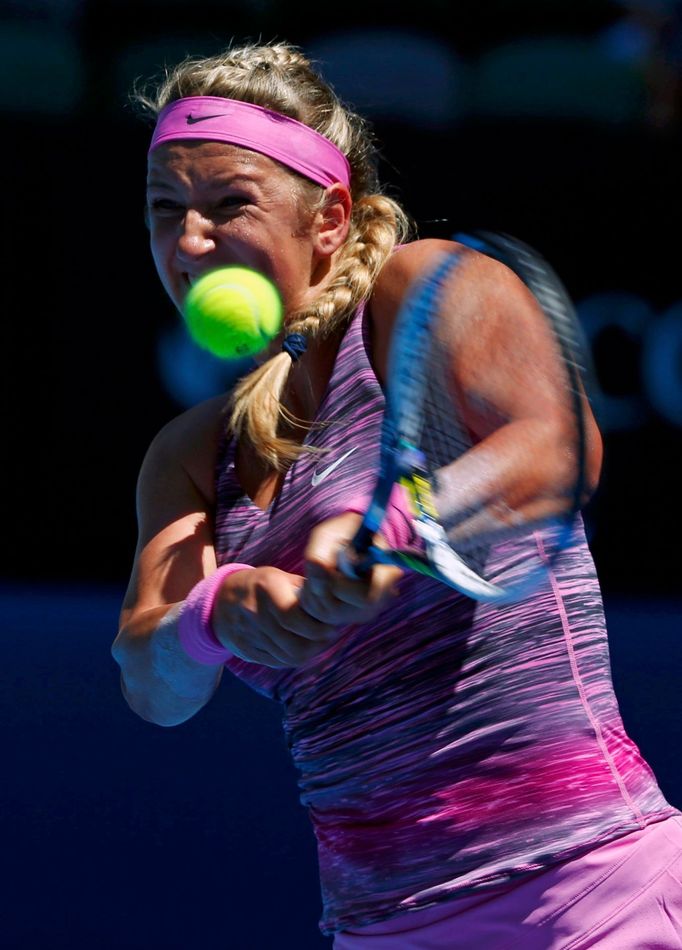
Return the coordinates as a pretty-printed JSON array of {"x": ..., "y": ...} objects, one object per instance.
[
  {"x": 174, "y": 552},
  {"x": 256, "y": 614}
]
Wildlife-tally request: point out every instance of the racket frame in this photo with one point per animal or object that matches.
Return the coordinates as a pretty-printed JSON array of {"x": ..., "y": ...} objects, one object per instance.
[{"x": 402, "y": 462}]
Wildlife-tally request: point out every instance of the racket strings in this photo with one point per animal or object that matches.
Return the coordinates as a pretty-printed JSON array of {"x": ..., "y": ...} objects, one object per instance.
[
  {"x": 485, "y": 544},
  {"x": 444, "y": 441},
  {"x": 497, "y": 542}
]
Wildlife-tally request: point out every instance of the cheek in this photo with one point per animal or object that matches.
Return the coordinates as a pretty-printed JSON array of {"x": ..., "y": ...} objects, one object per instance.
[
  {"x": 157, "y": 246},
  {"x": 292, "y": 274},
  {"x": 161, "y": 251}
]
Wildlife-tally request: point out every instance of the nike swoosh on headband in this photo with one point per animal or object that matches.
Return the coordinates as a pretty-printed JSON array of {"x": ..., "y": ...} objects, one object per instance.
[
  {"x": 193, "y": 119},
  {"x": 245, "y": 124},
  {"x": 320, "y": 476}
]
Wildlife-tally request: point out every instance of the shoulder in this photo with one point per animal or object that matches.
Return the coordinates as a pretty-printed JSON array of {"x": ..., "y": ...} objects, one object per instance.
[
  {"x": 189, "y": 443},
  {"x": 484, "y": 281}
]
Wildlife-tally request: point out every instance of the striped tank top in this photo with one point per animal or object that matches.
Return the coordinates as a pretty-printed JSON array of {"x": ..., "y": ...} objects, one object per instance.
[{"x": 447, "y": 746}]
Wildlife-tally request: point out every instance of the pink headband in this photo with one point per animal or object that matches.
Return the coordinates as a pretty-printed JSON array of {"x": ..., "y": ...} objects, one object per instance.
[{"x": 228, "y": 120}]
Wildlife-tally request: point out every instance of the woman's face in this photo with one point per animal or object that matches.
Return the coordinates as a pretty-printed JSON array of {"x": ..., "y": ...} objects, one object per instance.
[{"x": 211, "y": 204}]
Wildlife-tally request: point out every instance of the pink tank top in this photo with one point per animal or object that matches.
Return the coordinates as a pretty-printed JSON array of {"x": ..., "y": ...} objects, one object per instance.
[{"x": 448, "y": 747}]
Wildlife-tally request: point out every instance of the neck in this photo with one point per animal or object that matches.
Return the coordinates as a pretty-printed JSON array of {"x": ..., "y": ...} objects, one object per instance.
[{"x": 308, "y": 380}]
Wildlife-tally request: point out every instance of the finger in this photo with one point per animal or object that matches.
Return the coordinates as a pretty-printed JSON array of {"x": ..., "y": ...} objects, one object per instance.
[
  {"x": 297, "y": 650},
  {"x": 269, "y": 659},
  {"x": 251, "y": 652},
  {"x": 350, "y": 591},
  {"x": 327, "y": 608},
  {"x": 327, "y": 539},
  {"x": 320, "y": 597},
  {"x": 381, "y": 583},
  {"x": 298, "y": 622},
  {"x": 279, "y": 651},
  {"x": 276, "y": 621},
  {"x": 385, "y": 581}
]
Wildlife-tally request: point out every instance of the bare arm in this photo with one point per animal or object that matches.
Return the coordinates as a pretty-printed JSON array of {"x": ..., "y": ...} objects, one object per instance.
[
  {"x": 256, "y": 615},
  {"x": 508, "y": 385},
  {"x": 174, "y": 552},
  {"x": 516, "y": 401},
  {"x": 508, "y": 395}
]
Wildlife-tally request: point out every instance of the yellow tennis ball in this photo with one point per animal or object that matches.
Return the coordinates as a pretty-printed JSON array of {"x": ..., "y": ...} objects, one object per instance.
[{"x": 233, "y": 312}]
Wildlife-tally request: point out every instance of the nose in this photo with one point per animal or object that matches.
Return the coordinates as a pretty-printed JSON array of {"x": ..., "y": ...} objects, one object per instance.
[{"x": 197, "y": 237}]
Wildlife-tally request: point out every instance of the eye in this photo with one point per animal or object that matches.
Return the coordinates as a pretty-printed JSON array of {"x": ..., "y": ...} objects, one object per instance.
[
  {"x": 163, "y": 205},
  {"x": 232, "y": 202}
]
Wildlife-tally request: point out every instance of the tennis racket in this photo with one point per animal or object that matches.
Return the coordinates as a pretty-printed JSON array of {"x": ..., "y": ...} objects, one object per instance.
[{"x": 461, "y": 533}]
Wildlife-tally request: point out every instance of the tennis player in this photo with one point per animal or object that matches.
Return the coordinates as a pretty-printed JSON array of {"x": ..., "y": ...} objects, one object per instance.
[{"x": 464, "y": 766}]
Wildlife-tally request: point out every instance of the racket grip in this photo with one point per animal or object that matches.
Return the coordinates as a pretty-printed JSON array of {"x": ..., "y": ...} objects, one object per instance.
[
  {"x": 349, "y": 566},
  {"x": 353, "y": 560},
  {"x": 357, "y": 560}
]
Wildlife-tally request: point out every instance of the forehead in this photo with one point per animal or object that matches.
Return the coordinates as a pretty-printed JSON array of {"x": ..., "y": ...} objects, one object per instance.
[{"x": 204, "y": 162}]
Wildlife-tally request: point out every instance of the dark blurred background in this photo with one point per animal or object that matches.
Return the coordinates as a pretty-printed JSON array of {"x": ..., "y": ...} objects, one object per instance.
[{"x": 557, "y": 122}]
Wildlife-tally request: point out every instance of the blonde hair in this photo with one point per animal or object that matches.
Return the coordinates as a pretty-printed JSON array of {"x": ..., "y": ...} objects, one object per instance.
[{"x": 279, "y": 77}]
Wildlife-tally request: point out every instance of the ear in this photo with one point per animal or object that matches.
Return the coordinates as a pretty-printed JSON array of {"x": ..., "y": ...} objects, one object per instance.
[{"x": 332, "y": 221}]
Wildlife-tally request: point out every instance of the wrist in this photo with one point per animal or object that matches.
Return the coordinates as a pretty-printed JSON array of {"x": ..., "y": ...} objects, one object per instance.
[{"x": 195, "y": 628}]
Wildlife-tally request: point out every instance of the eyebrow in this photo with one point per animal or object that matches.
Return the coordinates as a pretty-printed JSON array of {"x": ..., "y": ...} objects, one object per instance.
[{"x": 213, "y": 183}]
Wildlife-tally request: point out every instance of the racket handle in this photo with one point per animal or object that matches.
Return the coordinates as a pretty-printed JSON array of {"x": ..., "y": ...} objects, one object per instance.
[
  {"x": 353, "y": 560},
  {"x": 349, "y": 567}
]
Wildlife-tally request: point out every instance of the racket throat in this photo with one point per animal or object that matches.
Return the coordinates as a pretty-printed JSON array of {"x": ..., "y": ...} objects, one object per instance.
[
  {"x": 413, "y": 477},
  {"x": 450, "y": 567},
  {"x": 439, "y": 560}
]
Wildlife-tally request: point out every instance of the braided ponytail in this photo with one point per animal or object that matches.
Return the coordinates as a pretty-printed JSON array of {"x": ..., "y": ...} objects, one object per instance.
[{"x": 277, "y": 76}]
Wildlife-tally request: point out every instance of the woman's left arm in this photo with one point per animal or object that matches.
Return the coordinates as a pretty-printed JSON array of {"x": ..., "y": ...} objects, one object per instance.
[
  {"x": 509, "y": 393},
  {"x": 530, "y": 446},
  {"x": 508, "y": 386}
]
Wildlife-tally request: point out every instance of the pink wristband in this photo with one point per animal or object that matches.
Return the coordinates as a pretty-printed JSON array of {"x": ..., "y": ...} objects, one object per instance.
[{"x": 195, "y": 630}]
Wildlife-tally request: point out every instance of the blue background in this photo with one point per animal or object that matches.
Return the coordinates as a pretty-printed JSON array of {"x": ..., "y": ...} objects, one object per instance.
[
  {"x": 559, "y": 123},
  {"x": 121, "y": 834}
]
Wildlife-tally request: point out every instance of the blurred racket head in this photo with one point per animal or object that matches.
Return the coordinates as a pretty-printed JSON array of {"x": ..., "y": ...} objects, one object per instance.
[{"x": 441, "y": 441}]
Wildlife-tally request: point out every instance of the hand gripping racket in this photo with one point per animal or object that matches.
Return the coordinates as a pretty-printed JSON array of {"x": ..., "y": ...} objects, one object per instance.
[{"x": 461, "y": 531}]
